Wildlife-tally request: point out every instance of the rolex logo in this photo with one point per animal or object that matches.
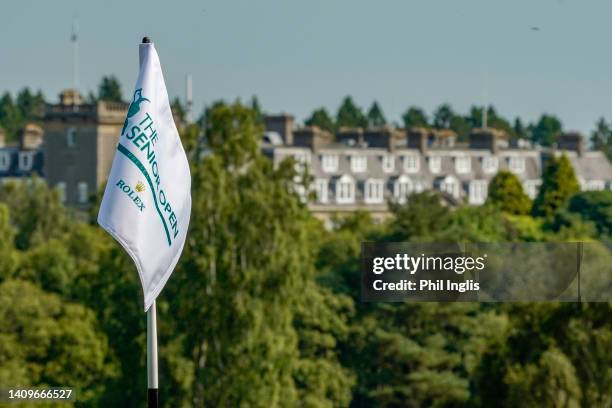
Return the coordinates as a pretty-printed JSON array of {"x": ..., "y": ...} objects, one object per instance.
[{"x": 140, "y": 187}]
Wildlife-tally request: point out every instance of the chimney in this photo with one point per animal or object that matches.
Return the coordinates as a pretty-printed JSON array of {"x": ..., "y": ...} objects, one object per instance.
[
  {"x": 30, "y": 136},
  {"x": 488, "y": 139},
  {"x": 312, "y": 137},
  {"x": 572, "y": 141},
  {"x": 417, "y": 138},
  {"x": 71, "y": 97},
  {"x": 350, "y": 136},
  {"x": 281, "y": 124},
  {"x": 381, "y": 137}
]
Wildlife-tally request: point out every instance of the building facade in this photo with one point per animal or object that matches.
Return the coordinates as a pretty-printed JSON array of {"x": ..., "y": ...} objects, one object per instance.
[
  {"x": 79, "y": 145},
  {"x": 366, "y": 169},
  {"x": 25, "y": 157}
]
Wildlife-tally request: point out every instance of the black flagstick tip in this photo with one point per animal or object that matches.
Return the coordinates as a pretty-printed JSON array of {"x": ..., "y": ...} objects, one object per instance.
[{"x": 146, "y": 40}]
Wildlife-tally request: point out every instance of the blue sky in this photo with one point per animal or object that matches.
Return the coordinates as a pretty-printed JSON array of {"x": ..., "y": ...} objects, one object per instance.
[{"x": 299, "y": 55}]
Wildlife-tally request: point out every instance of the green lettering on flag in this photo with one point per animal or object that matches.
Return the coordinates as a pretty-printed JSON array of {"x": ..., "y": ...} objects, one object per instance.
[{"x": 144, "y": 172}]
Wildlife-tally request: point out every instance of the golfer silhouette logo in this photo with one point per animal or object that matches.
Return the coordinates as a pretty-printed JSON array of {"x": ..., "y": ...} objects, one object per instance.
[{"x": 134, "y": 107}]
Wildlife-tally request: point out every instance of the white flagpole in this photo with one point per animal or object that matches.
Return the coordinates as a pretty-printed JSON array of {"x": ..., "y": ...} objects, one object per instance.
[
  {"x": 152, "y": 393},
  {"x": 152, "y": 378}
]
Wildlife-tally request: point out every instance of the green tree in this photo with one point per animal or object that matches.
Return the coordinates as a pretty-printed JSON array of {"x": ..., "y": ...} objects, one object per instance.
[
  {"x": 506, "y": 193},
  {"x": 414, "y": 117},
  {"x": 8, "y": 260},
  {"x": 35, "y": 210},
  {"x": 30, "y": 105},
  {"x": 178, "y": 109},
  {"x": 375, "y": 116},
  {"x": 602, "y": 137},
  {"x": 590, "y": 206},
  {"x": 47, "y": 341},
  {"x": 321, "y": 118},
  {"x": 460, "y": 126},
  {"x": 546, "y": 130},
  {"x": 442, "y": 116},
  {"x": 421, "y": 216},
  {"x": 110, "y": 89},
  {"x": 550, "y": 382},
  {"x": 256, "y": 107},
  {"x": 247, "y": 272},
  {"x": 520, "y": 131},
  {"x": 10, "y": 116},
  {"x": 350, "y": 115},
  {"x": 559, "y": 183}
]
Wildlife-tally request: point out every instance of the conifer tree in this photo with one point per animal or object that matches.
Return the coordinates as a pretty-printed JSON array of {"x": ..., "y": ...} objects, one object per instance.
[
  {"x": 559, "y": 183},
  {"x": 506, "y": 193}
]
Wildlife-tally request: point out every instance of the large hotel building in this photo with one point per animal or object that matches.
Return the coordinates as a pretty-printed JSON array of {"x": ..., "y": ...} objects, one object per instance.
[{"x": 366, "y": 168}]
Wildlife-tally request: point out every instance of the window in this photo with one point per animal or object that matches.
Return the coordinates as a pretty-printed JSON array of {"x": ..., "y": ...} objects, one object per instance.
[
  {"x": 477, "y": 191},
  {"x": 463, "y": 164},
  {"x": 450, "y": 186},
  {"x": 71, "y": 137},
  {"x": 516, "y": 164},
  {"x": 329, "y": 162},
  {"x": 25, "y": 161},
  {"x": 359, "y": 164},
  {"x": 411, "y": 163},
  {"x": 388, "y": 163},
  {"x": 402, "y": 187},
  {"x": 595, "y": 185},
  {"x": 61, "y": 189},
  {"x": 531, "y": 188},
  {"x": 321, "y": 186},
  {"x": 374, "y": 191},
  {"x": 83, "y": 192},
  {"x": 345, "y": 190},
  {"x": 435, "y": 164},
  {"x": 489, "y": 164},
  {"x": 5, "y": 161}
]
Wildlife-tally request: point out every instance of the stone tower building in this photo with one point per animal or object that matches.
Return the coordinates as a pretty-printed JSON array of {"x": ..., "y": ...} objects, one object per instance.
[{"x": 79, "y": 146}]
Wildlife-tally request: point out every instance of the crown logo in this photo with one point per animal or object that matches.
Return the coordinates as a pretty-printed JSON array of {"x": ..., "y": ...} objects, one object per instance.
[{"x": 140, "y": 187}]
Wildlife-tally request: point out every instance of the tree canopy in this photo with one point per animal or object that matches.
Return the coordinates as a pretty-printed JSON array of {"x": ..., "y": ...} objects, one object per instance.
[
  {"x": 506, "y": 193},
  {"x": 559, "y": 183},
  {"x": 109, "y": 89}
]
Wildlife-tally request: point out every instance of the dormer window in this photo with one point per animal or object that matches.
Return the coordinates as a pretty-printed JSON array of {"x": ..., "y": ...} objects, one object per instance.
[
  {"x": 401, "y": 189},
  {"x": 345, "y": 190},
  {"x": 489, "y": 164},
  {"x": 359, "y": 164},
  {"x": 411, "y": 163},
  {"x": 478, "y": 191},
  {"x": 329, "y": 163},
  {"x": 463, "y": 164},
  {"x": 25, "y": 161},
  {"x": 435, "y": 164},
  {"x": 450, "y": 185},
  {"x": 5, "y": 161},
  {"x": 516, "y": 164},
  {"x": 388, "y": 163},
  {"x": 374, "y": 191}
]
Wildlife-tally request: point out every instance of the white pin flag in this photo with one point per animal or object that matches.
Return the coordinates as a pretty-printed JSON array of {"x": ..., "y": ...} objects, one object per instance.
[{"x": 147, "y": 201}]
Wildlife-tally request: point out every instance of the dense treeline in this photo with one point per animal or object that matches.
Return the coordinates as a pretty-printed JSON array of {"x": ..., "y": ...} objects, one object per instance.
[
  {"x": 263, "y": 310},
  {"x": 28, "y": 107}
]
